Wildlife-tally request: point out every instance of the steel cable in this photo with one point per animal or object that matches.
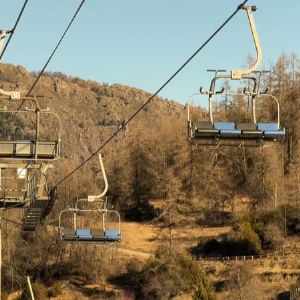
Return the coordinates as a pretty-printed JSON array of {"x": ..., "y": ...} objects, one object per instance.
[
  {"x": 14, "y": 28},
  {"x": 152, "y": 96},
  {"x": 52, "y": 54}
]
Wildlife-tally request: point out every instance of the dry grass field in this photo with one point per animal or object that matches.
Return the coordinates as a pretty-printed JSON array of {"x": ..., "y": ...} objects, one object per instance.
[
  {"x": 147, "y": 238},
  {"x": 141, "y": 240}
]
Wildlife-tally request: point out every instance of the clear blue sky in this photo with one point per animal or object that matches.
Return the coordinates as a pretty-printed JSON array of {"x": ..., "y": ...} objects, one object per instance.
[{"x": 141, "y": 43}]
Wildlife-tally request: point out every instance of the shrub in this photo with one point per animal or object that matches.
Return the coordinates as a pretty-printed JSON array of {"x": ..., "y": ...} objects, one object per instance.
[
  {"x": 244, "y": 284},
  {"x": 56, "y": 290},
  {"x": 272, "y": 237},
  {"x": 216, "y": 218},
  {"x": 39, "y": 291},
  {"x": 247, "y": 238},
  {"x": 289, "y": 214},
  {"x": 292, "y": 219},
  {"x": 141, "y": 211},
  {"x": 168, "y": 275},
  {"x": 242, "y": 240},
  {"x": 211, "y": 247},
  {"x": 4, "y": 295},
  {"x": 204, "y": 291}
]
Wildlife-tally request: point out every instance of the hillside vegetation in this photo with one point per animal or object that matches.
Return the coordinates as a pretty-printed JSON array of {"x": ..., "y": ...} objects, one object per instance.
[{"x": 155, "y": 176}]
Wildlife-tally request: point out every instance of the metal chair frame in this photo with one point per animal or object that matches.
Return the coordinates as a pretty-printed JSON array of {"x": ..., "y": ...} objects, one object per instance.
[{"x": 104, "y": 211}]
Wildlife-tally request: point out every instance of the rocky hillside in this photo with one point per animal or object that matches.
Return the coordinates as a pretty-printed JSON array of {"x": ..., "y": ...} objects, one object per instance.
[{"x": 91, "y": 111}]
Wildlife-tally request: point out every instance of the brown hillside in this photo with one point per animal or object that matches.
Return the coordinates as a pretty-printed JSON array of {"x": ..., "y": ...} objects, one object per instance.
[
  {"x": 90, "y": 111},
  {"x": 213, "y": 203}
]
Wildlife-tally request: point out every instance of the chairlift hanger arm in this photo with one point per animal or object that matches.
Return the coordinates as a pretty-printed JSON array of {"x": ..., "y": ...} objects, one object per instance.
[
  {"x": 239, "y": 74},
  {"x": 92, "y": 198},
  {"x": 3, "y": 34}
]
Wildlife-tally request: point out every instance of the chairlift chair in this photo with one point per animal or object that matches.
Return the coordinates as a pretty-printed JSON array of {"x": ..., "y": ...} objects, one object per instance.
[
  {"x": 91, "y": 234},
  {"x": 29, "y": 149},
  {"x": 230, "y": 132},
  {"x": 96, "y": 234},
  {"x": 31, "y": 155}
]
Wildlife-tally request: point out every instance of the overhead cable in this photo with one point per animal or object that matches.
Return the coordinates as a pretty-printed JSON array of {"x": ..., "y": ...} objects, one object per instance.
[
  {"x": 152, "y": 96},
  {"x": 12, "y": 31},
  {"x": 53, "y": 52}
]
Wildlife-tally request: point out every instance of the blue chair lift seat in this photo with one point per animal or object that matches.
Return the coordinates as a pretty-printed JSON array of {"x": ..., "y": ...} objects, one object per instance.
[
  {"x": 227, "y": 130},
  {"x": 84, "y": 234},
  {"x": 112, "y": 235},
  {"x": 249, "y": 131},
  {"x": 204, "y": 129},
  {"x": 271, "y": 130},
  {"x": 90, "y": 235}
]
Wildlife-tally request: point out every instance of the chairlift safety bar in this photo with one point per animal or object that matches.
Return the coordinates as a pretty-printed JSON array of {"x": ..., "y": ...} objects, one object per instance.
[{"x": 236, "y": 94}]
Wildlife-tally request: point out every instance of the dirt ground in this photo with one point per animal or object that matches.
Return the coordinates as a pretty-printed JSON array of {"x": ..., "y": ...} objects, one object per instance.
[{"x": 147, "y": 238}]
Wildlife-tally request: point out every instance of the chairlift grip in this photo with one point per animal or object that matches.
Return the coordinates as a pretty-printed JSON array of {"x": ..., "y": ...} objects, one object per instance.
[
  {"x": 245, "y": 7},
  {"x": 5, "y": 31}
]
